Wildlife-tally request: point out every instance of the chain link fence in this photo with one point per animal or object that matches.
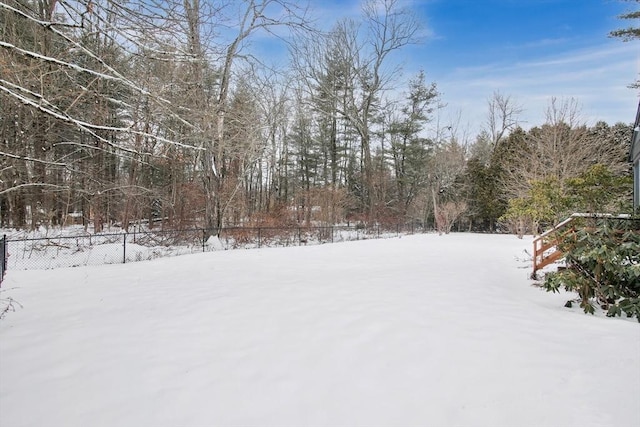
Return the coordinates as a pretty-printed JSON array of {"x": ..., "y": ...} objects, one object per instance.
[{"x": 96, "y": 249}]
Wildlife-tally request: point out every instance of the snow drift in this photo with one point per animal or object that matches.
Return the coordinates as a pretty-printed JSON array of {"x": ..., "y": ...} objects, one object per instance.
[{"x": 420, "y": 330}]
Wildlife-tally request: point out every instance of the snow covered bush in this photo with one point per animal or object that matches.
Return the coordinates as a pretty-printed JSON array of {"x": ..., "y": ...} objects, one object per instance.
[{"x": 602, "y": 266}]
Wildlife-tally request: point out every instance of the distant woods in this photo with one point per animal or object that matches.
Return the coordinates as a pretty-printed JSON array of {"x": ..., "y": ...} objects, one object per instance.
[{"x": 117, "y": 113}]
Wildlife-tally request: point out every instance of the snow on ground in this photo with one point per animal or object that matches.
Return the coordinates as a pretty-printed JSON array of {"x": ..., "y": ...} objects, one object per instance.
[{"x": 419, "y": 330}]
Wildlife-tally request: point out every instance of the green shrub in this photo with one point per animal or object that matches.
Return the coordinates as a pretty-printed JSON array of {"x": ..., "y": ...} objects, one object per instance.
[{"x": 602, "y": 266}]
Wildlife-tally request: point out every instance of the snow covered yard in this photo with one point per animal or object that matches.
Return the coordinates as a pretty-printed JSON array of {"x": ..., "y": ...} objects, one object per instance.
[{"x": 423, "y": 330}]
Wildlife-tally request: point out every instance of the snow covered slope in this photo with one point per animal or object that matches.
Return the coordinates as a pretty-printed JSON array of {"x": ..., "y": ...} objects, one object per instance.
[{"x": 418, "y": 331}]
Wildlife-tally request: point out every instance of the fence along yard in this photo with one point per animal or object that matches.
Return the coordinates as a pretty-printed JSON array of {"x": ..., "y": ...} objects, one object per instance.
[{"x": 96, "y": 249}]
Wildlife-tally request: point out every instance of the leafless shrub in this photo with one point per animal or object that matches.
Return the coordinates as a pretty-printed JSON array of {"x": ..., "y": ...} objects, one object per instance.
[
  {"x": 447, "y": 214},
  {"x": 7, "y": 305}
]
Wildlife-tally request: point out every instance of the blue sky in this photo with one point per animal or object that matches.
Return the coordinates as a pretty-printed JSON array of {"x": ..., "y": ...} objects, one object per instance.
[{"x": 530, "y": 50}]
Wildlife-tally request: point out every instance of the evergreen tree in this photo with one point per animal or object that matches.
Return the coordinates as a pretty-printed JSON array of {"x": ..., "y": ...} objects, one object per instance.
[
  {"x": 631, "y": 32},
  {"x": 409, "y": 149}
]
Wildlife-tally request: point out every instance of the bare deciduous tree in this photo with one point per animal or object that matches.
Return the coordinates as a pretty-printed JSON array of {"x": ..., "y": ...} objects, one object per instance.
[{"x": 502, "y": 116}]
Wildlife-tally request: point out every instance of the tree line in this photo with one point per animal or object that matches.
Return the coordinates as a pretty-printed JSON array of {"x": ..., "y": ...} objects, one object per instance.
[{"x": 118, "y": 112}]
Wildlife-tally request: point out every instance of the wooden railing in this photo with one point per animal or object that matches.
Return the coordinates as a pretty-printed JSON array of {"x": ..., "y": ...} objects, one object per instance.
[{"x": 545, "y": 246}]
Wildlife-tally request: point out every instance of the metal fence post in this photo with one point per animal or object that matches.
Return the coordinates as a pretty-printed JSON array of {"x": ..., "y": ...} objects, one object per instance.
[
  {"x": 3, "y": 255},
  {"x": 124, "y": 249},
  {"x": 259, "y": 237},
  {"x": 204, "y": 237}
]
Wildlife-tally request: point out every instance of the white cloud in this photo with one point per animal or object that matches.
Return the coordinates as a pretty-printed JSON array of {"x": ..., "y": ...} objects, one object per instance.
[{"x": 597, "y": 78}]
